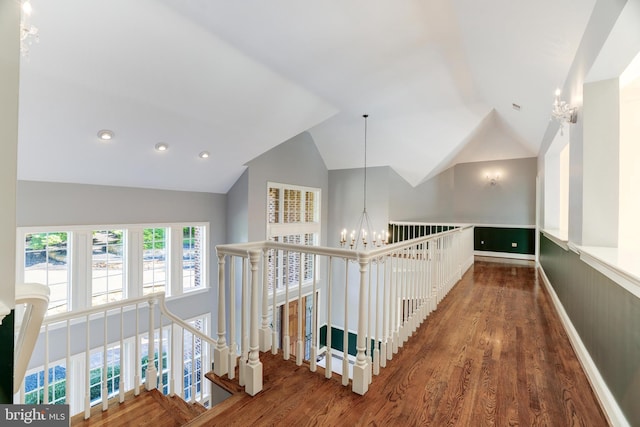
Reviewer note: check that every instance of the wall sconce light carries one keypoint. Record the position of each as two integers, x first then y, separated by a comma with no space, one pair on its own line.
493,179
563,112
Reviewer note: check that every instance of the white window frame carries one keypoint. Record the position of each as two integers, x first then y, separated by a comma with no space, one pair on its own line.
281,229
79,248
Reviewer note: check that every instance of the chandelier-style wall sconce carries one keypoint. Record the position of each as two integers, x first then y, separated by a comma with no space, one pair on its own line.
493,179
563,112
28,33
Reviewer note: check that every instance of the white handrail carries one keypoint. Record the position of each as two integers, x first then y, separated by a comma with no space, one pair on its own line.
36,297
113,333
417,274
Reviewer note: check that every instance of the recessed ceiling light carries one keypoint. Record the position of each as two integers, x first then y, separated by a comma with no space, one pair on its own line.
105,135
204,155
162,146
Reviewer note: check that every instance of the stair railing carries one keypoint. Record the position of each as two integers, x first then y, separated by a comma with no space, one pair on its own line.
111,327
393,289
35,297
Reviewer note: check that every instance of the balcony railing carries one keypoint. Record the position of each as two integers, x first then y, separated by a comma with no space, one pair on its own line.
393,288
126,334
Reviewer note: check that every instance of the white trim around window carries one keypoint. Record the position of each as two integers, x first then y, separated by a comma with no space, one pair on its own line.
80,245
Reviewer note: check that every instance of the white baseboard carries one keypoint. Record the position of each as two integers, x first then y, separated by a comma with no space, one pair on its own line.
504,255
607,402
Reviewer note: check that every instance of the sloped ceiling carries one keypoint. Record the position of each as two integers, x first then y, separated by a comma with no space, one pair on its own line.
437,78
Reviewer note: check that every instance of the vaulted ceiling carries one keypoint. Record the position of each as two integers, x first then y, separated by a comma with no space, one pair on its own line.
236,78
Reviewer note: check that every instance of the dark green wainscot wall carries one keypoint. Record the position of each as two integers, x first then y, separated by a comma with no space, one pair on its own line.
607,318
337,340
6,359
501,239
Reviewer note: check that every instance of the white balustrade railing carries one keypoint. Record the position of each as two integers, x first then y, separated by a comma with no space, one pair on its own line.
392,287
119,331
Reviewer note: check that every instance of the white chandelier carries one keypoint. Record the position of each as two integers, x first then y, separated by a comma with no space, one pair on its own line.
563,112
28,33
364,235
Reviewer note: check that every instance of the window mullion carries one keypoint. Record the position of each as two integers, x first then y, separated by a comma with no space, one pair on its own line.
175,261
134,261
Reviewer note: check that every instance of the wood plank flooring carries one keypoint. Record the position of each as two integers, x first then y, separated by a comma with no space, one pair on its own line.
494,353
150,408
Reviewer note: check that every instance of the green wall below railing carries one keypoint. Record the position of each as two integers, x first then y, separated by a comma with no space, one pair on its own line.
337,340
606,317
501,239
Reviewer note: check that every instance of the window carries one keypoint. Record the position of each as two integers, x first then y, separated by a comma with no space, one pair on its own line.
193,255
107,266
96,374
293,216
629,174
92,265
154,260
556,185
34,386
193,361
46,261
165,358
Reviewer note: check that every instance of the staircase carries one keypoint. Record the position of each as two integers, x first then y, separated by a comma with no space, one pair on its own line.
150,408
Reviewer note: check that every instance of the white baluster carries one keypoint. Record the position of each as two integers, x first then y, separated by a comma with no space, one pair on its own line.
329,353
152,373
314,319
345,334
221,352
360,383
124,368
265,330
233,350
105,367
136,379
376,327
87,370
244,333
274,332
301,312
46,364
284,321
193,369
254,366
67,370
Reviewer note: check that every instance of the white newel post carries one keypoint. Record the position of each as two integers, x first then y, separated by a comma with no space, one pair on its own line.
221,352
265,330
151,374
253,377
360,383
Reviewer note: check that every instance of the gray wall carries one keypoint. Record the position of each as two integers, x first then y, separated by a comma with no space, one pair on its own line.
57,204
296,161
238,210
463,194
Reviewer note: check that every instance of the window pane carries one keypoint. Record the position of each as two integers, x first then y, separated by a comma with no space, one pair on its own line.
310,207
292,205
273,205
193,245
34,386
154,260
46,261
107,266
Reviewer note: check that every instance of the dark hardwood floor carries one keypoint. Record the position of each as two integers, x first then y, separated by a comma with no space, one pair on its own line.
494,353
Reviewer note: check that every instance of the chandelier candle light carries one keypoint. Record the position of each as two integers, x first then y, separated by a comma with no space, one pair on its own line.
364,234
